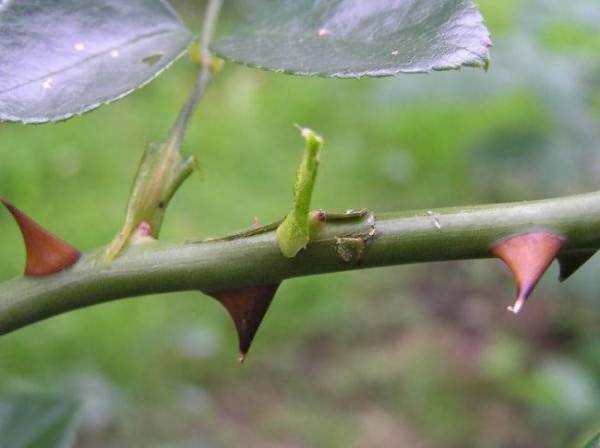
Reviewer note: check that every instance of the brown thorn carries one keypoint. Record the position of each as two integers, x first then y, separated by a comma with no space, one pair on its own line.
569,263
247,306
528,257
46,254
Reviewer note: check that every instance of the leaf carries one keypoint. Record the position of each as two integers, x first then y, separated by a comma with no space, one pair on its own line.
29,421
356,38
594,443
65,57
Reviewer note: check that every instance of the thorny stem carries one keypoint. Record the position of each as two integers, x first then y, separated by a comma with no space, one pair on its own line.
376,240
254,258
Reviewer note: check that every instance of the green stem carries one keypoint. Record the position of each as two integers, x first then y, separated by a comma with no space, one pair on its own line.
163,168
399,238
211,17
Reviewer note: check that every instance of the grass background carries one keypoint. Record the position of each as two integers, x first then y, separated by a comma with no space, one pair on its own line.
412,356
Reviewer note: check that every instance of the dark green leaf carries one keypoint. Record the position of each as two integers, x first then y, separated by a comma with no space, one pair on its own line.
29,421
356,38
594,443
64,57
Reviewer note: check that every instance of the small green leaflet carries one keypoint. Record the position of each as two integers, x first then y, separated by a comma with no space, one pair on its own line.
294,232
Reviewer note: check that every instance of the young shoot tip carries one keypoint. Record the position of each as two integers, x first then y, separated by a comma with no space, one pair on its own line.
309,135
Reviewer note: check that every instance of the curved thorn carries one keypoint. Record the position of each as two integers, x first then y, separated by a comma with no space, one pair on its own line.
571,262
528,257
247,306
46,253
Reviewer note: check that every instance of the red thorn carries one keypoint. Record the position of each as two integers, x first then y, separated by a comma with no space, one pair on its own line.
247,306
46,254
569,263
528,256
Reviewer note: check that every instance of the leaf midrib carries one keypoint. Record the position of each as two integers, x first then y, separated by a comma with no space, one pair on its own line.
91,57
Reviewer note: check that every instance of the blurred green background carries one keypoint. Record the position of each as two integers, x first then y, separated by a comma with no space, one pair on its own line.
410,356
